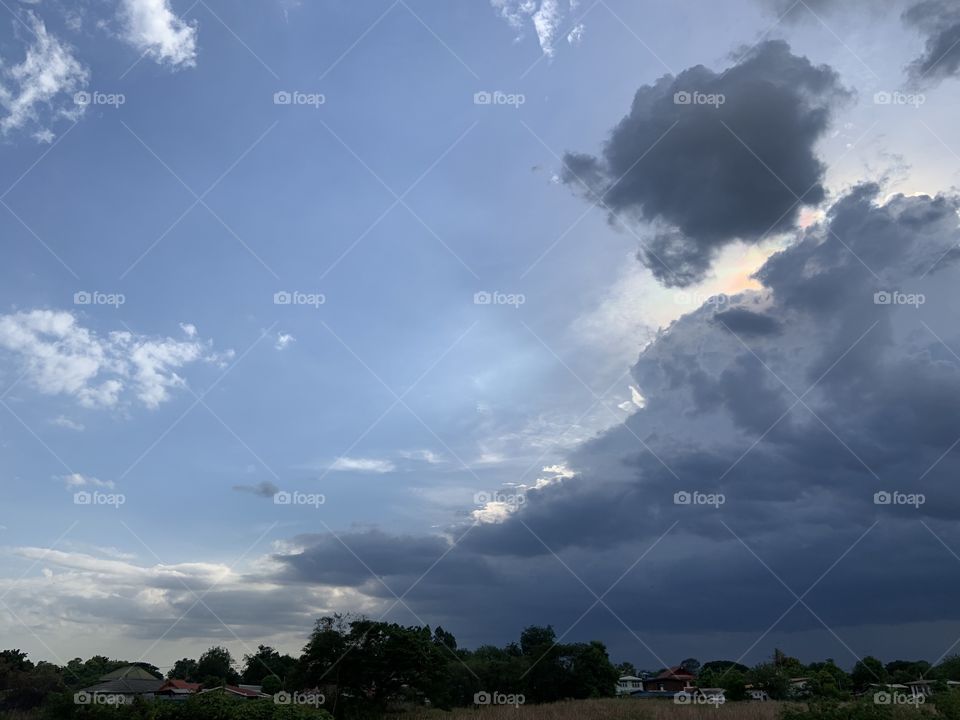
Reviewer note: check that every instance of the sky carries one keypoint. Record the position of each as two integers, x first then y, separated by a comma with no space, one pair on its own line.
633,318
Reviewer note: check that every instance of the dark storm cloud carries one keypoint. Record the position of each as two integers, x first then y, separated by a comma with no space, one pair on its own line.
939,22
710,158
264,489
797,403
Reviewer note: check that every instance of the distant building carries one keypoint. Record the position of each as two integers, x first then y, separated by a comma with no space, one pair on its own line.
240,692
129,681
672,680
174,689
629,684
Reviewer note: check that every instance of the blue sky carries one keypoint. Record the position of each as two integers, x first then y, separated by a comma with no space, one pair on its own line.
181,184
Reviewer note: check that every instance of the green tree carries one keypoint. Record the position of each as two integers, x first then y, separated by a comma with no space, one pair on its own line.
588,670
215,667
264,662
866,671
184,669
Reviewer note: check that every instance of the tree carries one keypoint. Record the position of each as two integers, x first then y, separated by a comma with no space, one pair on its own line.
866,671
589,672
627,668
266,661
215,667
184,669
691,665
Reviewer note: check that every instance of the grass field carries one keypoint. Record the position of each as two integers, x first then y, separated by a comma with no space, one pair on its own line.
609,709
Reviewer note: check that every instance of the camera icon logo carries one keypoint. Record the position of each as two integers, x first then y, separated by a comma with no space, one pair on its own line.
682,98
882,698
481,698
81,698
682,698
282,698
82,98
282,98
282,298
482,98
681,498
882,498
82,298
82,497
882,298
882,98
282,498
482,298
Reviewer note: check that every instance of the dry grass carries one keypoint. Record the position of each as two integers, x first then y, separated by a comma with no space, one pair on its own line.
609,709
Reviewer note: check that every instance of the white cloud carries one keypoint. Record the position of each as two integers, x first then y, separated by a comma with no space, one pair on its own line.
152,28
75,480
427,456
189,329
46,79
546,16
60,357
65,422
283,340
363,465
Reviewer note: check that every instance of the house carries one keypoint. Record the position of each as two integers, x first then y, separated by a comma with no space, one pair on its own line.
673,680
239,692
920,688
798,686
129,682
757,694
629,684
174,689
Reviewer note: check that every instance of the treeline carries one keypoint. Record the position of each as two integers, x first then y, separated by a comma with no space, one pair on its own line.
361,667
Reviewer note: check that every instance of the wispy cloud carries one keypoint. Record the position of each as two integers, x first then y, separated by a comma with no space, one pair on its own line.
348,464
39,89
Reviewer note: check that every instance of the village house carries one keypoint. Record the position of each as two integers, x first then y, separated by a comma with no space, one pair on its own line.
239,692
672,680
629,684
174,689
129,682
